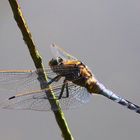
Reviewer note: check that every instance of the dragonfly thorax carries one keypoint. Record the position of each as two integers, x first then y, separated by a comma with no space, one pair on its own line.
74,71
67,69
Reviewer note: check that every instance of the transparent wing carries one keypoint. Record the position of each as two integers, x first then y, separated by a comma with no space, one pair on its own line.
13,79
59,52
37,100
19,80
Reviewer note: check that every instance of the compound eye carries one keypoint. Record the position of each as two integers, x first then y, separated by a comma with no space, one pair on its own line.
60,60
53,62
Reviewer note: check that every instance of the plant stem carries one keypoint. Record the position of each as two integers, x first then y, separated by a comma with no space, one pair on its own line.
27,37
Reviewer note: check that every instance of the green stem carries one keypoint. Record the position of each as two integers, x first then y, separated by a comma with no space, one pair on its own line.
59,115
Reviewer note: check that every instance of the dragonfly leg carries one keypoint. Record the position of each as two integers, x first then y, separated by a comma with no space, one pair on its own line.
62,90
54,79
67,90
65,85
49,78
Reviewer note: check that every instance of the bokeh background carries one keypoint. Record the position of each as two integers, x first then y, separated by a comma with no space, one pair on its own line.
105,35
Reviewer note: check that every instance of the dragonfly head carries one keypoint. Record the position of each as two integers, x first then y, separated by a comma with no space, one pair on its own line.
55,62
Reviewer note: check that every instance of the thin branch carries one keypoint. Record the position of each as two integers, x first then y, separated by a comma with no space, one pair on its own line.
59,115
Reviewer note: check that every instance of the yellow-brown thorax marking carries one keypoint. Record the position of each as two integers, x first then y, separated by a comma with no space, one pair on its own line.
85,79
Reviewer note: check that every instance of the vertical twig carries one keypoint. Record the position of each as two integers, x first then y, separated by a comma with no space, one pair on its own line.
59,115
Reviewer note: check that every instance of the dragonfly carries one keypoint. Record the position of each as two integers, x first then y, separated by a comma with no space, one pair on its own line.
71,81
